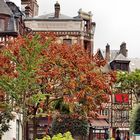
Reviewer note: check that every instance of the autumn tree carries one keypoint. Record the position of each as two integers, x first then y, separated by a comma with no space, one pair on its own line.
36,72
21,59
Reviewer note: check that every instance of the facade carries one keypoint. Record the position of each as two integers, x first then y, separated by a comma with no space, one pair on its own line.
120,102
69,30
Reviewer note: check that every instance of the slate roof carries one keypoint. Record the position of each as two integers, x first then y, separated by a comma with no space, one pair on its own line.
51,17
121,57
115,55
4,9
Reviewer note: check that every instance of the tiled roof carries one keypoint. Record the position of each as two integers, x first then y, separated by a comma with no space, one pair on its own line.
113,54
4,9
99,123
121,57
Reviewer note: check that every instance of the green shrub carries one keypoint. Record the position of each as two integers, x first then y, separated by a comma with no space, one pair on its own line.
65,136
135,120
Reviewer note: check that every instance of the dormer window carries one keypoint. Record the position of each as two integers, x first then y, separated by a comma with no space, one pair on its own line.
2,23
118,65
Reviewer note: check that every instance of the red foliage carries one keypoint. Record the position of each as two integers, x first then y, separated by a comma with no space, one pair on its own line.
67,70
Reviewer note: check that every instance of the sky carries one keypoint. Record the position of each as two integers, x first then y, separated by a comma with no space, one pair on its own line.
117,21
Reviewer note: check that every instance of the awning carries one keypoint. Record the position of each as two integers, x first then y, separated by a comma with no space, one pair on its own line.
98,123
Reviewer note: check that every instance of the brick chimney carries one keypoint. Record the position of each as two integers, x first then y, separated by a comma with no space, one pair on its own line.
107,52
57,10
123,49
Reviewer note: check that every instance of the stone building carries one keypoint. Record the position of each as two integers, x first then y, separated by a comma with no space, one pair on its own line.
69,30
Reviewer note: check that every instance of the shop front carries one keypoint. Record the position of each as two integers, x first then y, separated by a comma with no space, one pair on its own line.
99,129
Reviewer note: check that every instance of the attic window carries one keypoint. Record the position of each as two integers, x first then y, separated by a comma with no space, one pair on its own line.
1,24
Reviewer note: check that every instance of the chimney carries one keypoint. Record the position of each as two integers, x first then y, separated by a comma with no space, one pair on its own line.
123,49
107,53
57,10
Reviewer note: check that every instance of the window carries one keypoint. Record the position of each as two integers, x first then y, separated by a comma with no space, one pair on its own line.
105,112
118,66
124,67
121,66
67,41
1,24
